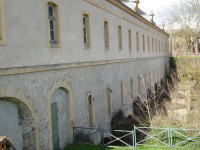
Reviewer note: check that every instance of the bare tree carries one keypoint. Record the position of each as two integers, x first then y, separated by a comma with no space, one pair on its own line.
183,18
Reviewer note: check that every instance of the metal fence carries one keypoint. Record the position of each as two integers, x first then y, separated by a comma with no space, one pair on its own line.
140,136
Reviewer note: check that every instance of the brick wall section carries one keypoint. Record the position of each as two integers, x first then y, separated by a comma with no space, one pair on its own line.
92,79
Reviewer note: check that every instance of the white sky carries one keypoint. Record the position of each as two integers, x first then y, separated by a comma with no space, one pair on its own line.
154,5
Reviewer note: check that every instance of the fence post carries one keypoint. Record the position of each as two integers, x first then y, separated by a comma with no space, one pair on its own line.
135,138
73,135
169,137
101,137
193,54
133,133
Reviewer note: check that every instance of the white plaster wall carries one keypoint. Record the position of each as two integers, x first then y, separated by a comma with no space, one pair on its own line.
9,123
27,37
60,96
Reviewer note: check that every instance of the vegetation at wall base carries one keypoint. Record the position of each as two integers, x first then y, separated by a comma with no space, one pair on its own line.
94,147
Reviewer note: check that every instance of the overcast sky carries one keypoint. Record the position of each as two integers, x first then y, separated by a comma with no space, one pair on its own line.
154,5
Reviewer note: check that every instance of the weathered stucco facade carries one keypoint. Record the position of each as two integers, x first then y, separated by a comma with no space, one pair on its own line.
35,73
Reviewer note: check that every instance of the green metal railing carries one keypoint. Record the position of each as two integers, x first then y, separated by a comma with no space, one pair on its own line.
185,139
86,137
152,136
169,137
127,133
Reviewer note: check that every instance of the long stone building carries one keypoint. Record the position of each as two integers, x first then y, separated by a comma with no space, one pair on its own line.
66,63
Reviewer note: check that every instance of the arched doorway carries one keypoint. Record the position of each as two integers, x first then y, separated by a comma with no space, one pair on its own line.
11,123
17,123
63,86
59,118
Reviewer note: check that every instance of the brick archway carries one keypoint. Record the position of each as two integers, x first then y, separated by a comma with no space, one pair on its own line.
68,89
25,104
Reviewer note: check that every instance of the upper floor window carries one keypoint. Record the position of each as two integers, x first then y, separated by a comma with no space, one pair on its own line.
148,44
143,43
106,35
86,29
156,46
159,45
120,36
137,41
53,22
2,24
129,37
152,45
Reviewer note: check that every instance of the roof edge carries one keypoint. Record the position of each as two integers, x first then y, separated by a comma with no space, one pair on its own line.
123,7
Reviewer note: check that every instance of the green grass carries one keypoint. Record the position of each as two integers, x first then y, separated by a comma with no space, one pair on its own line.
185,56
90,147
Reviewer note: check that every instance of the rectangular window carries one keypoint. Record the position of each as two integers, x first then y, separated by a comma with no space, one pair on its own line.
137,41
143,43
156,46
106,35
159,45
51,24
148,44
152,45
91,111
2,24
120,37
129,37
85,30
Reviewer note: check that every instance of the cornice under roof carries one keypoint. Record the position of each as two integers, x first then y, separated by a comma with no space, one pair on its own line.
125,8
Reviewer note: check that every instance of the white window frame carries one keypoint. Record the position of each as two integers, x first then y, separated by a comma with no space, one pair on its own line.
85,29
51,18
